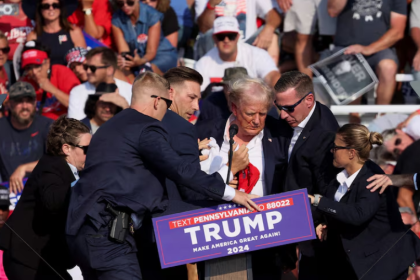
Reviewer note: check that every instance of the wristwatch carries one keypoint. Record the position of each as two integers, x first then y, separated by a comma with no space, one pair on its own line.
316,200
87,11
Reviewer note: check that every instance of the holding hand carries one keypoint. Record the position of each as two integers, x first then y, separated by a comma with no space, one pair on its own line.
321,232
204,144
244,199
115,98
380,181
131,62
15,180
354,49
285,5
240,158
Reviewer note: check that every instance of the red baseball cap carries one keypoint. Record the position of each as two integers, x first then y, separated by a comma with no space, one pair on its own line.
33,56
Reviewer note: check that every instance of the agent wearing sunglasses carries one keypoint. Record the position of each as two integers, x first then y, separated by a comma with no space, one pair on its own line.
147,43
52,83
41,213
361,227
311,130
229,52
53,29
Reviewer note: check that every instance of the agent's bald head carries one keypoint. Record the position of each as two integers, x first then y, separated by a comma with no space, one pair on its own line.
145,85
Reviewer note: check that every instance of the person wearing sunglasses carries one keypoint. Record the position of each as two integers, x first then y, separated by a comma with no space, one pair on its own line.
52,83
147,43
52,27
100,66
229,52
363,230
310,127
129,159
40,216
4,51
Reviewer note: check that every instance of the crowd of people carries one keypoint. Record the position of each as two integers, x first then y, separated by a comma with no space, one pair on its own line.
114,70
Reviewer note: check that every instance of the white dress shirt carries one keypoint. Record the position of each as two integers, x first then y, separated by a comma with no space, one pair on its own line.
256,157
80,93
298,130
74,171
345,183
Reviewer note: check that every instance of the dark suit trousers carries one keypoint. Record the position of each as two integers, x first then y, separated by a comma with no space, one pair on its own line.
100,258
17,271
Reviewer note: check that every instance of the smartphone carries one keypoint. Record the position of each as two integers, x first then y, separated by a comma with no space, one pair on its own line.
9,9
125,54
2,98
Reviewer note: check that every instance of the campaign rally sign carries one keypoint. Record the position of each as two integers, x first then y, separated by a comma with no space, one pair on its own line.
345,76
230,229
14,198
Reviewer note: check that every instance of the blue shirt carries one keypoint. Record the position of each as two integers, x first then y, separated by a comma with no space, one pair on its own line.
183,13
137,35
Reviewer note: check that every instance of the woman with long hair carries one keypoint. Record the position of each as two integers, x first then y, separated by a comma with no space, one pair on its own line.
53,30
365,235
40,216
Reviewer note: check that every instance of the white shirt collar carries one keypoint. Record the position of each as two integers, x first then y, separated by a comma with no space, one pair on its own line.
74,170
308,117
343,178
226,135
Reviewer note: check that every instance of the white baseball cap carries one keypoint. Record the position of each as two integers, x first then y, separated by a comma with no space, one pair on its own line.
225,24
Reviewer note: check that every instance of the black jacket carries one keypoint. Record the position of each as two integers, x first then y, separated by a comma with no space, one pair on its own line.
40,216
368,225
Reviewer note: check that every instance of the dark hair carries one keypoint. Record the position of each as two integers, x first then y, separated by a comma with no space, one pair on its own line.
163,5
64,23
64,131
108,56
301,82
38,46
358,137
90,107
181,74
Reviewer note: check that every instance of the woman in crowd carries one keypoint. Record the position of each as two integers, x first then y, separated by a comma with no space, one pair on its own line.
40,216
169,22
136,30
4,51
366,236
53,30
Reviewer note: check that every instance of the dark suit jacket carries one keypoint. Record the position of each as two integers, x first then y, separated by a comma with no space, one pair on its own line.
368,225
273,141
127,164
183,140
40,216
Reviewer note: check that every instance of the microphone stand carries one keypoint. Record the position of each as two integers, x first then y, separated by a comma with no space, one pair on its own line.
231,141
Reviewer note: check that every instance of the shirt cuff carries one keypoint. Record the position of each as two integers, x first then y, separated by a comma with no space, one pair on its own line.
223,172
415,182
229,193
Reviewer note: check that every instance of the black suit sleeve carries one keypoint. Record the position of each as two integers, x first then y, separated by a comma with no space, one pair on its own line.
186,146
355,214
53,191
155,149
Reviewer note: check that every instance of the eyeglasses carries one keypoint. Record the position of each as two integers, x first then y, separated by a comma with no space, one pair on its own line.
5,50
47,6
168,101
84,148
334,148
291,108
222,36
93,67
129,3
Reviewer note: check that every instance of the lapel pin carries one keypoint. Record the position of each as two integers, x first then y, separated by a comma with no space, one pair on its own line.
269,139
304,137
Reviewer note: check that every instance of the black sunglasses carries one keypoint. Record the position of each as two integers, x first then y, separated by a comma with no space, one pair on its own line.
129,3
5,50
291,108
84,148
397,142
93,67
168,101
222,36
46,6
334,148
